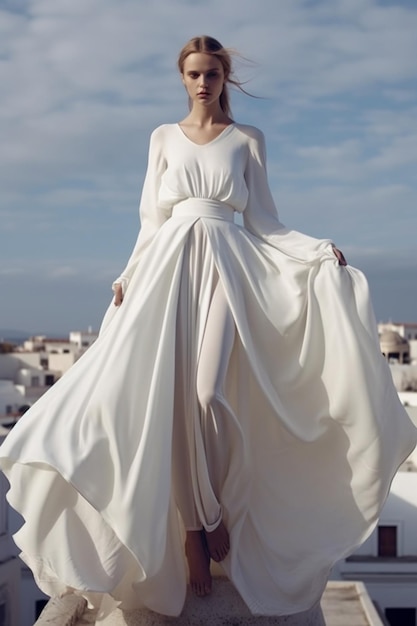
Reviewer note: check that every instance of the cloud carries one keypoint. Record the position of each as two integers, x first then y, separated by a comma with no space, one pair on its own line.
85,81
351,215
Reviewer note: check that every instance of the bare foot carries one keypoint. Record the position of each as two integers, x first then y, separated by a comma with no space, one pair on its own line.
198,563
218,543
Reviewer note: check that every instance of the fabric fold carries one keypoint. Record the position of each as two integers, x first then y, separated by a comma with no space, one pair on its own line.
297,450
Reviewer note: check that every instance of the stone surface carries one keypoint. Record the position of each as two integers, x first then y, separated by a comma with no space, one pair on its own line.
224,607
65,611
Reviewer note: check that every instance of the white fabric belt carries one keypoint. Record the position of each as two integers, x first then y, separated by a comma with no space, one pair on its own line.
204,207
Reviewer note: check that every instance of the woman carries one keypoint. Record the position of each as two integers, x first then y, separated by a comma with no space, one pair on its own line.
236,392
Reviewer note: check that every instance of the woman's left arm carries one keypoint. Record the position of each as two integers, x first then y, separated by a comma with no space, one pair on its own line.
260,216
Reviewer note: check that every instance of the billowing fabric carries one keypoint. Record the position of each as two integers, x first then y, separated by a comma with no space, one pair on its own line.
293,437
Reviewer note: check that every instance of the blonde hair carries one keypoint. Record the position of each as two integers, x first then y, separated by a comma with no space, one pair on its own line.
209,45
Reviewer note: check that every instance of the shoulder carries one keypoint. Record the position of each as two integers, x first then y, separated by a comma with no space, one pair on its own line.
254,139
160,132
161,137
251,133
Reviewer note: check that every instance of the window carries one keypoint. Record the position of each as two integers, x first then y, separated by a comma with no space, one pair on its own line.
401,617
49,380
40,605
3,508
387,541
35,381
9,409
5,617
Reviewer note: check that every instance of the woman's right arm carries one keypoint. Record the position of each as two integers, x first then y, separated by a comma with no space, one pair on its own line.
151,215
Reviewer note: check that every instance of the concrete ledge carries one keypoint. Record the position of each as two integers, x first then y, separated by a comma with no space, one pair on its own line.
343,603
348,602
65,611
369,608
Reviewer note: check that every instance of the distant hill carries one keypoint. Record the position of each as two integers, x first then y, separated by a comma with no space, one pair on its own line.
13,336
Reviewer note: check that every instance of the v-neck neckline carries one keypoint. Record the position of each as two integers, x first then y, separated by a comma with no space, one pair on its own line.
208,143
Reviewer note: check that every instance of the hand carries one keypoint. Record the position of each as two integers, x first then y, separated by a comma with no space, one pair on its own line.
118,294
340,256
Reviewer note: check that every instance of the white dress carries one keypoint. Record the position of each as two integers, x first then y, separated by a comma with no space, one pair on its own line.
292,436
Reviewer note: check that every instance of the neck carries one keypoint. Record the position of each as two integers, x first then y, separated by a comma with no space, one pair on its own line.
207,116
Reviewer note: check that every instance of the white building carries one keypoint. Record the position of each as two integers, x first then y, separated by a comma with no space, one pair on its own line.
28,372
20,599
83,339
24,372
395,348
57,355
407,331
11,400
387,561
405,378
43,344
24,376
31,599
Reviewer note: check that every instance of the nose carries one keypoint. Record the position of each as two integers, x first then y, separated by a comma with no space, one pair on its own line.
203,80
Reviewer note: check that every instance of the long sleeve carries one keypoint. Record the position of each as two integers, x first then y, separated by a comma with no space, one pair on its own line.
152,216
260,216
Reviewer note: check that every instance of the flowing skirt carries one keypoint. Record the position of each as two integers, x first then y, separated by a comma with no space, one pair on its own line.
235,382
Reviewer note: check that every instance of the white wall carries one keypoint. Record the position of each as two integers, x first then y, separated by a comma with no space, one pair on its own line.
22,590
12,364
400,509
9,564
393,595
31,377
59,347
391,582
403,375
9,366
413,349
61,362
408,398
31,359
83,339
10,397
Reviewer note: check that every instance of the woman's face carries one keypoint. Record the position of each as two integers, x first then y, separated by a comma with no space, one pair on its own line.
203,77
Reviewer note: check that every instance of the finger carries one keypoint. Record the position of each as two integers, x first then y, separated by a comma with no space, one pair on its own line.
340,256
342,259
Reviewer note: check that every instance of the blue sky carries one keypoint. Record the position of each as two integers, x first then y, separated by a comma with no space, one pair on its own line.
85,81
